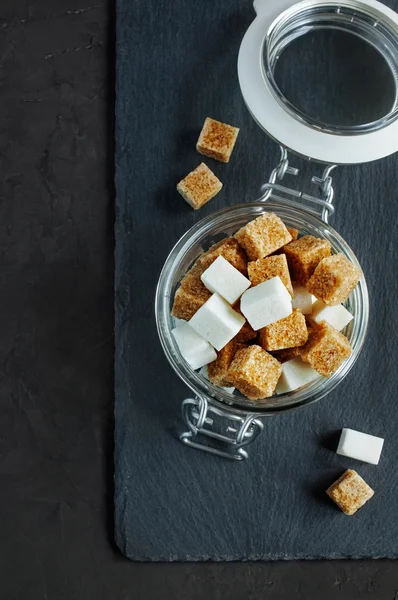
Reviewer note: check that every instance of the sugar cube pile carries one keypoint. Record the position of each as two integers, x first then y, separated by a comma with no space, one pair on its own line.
264,310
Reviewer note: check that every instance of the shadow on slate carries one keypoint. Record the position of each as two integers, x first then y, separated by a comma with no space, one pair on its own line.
176,64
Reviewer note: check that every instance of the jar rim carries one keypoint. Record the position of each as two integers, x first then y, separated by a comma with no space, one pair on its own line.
172,273
284,123
344,16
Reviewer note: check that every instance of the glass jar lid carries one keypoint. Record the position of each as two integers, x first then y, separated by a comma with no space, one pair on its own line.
275,28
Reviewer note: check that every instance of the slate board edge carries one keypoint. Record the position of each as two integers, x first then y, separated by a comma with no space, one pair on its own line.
255,557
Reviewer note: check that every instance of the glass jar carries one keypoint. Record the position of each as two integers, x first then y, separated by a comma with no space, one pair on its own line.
199,238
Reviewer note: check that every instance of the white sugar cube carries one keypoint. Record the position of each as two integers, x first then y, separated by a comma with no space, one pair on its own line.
223,278
361,446
337,316
196,351
217,322
204,371
302,299
266,303
295,374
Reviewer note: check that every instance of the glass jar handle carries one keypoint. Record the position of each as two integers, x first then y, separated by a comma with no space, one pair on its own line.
289,195
220,431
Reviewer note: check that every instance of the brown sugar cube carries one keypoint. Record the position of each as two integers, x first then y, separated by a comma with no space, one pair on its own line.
228,249
185,304
326,349
271,266
304,255
310,328
286,333
289,353
263,236
247,332
217,140
350,492
193,284
254,372
218,369
286,354
293,232
334,279
199,186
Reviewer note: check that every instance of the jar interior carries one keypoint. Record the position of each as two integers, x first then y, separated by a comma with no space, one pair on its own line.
224,224
353,87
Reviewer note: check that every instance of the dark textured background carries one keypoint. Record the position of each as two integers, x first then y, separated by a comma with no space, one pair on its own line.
56,345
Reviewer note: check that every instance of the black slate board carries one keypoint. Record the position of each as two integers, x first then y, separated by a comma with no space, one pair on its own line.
176,64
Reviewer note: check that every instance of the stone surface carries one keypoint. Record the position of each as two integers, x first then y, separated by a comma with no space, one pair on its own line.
222,510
